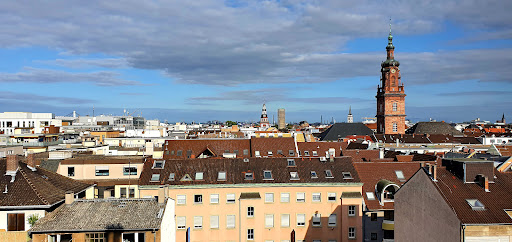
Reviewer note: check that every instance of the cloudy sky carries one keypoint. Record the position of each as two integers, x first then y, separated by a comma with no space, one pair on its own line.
220,60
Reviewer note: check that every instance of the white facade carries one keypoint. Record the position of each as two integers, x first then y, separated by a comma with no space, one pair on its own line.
28,213
496,140
37,121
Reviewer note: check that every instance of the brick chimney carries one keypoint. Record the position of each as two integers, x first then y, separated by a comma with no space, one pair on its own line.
12,164
483,181
434,172
70,197
161,194
31,161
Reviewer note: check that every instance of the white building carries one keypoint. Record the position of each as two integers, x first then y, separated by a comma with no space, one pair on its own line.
9,121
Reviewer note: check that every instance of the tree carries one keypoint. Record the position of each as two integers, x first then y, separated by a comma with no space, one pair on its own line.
230,123
32,219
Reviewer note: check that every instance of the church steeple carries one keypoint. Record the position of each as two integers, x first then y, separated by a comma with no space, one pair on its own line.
264,124
350,118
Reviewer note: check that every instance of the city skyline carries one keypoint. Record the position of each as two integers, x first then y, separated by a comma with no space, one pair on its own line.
166,61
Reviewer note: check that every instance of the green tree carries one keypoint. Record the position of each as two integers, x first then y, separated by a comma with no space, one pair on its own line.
230,123
32,219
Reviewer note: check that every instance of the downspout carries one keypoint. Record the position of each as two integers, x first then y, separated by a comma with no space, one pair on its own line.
463,233
239,220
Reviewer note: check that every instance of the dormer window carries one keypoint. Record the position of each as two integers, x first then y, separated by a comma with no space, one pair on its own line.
475,204
315,153
306,153
347,175
257,153
249,176
291,162
294,175
171,177
328,174
313,174
400,175
158,164
279,152
267,175
291,153
155,177
221,176
199,175
270,153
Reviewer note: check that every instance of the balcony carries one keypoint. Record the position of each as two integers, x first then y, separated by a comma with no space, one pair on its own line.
388,225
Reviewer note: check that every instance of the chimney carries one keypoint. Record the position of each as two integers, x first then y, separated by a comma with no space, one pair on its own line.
161,194
434,172
483,181
31,161
70,197
106,194
486,184
12,164
381,153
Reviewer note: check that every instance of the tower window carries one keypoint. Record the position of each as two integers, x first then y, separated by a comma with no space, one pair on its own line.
395,127
395,107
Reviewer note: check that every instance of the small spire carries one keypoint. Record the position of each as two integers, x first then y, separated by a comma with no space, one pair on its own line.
390,38
350,110
389,26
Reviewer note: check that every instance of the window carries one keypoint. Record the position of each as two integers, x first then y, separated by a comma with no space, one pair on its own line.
198,222
123,192
171,177
250,234
294,175
370,195
351,210
285,220
306,153
249,176
269,220
317,220
313,174
301,219
189,153
291,153
236,152
280,152
214,198
230,221
331,197
15,222
400,175
291,162
181,199
221,176
351,232
317,197
373,236
270,153
257,153
373,216
71,171
246,152
332,220
214,222
475,204
328,174
199,175
172,152
250,211
102,171
179,153
158,164
95,237
269,197
301,197
131,192
267,175
198,199
285,197
395,107
395,127
230,198
181,222
129,170
155,177
347,175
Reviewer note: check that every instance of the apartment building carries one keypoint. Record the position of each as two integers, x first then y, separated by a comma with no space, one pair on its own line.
260,199
9,121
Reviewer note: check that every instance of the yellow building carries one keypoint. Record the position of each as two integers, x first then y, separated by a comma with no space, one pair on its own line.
260,199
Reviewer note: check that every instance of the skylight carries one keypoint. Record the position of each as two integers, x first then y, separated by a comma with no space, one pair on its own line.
249,176
347,175
328,174
267,175
294,175
199,175
475,204
155,177
400,175
171,177
370,196
221,176
313,174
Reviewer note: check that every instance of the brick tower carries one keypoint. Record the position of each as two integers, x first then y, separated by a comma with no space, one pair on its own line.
390,95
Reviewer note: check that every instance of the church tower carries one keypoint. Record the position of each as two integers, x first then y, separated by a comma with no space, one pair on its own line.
264,124
350,118
390,95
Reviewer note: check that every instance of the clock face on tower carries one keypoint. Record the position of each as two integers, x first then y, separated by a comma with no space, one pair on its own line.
393,71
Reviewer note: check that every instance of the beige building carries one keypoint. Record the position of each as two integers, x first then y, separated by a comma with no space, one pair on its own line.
260,199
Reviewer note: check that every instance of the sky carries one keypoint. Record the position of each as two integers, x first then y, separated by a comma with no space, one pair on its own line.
221,60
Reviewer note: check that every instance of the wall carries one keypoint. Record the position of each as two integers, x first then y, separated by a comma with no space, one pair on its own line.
476,233
168,226
421,213
88,171
28,213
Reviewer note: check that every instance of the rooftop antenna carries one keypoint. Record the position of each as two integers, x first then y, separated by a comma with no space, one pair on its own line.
93,110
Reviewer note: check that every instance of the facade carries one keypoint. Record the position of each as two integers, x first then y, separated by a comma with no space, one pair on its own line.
9,121
463,200
390,95
281,122
264,124
261,199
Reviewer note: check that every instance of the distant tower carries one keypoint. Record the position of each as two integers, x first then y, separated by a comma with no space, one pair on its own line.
350,118
503,119
281,123
264,124
390,95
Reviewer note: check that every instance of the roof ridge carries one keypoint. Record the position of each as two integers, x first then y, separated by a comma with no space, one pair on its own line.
33,187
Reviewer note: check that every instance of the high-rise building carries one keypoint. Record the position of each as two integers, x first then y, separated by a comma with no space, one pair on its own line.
281,123
264,124
350,118
390,95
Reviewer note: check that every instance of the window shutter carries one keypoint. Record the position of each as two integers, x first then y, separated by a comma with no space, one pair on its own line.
230,221
11,222
285,220
198,222
332,220
214,221
269,221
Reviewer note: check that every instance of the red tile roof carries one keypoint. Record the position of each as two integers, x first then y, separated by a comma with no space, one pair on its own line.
362,155
320,147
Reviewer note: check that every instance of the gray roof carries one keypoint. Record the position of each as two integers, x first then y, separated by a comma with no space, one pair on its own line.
433,128
103,215
342,130
51,165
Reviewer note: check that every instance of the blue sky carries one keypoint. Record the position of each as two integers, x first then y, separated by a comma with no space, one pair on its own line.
220,60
